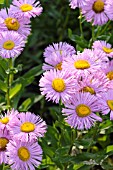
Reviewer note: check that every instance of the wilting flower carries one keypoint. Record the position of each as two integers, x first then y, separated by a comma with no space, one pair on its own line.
57,85
26,8
24,156
28,127
80,113
11,45
94,10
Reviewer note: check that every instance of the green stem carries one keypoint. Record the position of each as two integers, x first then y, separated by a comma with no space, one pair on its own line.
9,82
73,137
80,24
94,137
105,28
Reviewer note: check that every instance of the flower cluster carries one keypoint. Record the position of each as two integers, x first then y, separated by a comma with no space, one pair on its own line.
15,26
83,82
96,11
18,139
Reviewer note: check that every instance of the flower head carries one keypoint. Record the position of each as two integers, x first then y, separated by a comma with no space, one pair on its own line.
106,102
94,11
76,3
4,140
62,48
27,8
11,44
11,22
24,156
104,47
80,113
56,85
54,62
9,118
28,127
82,64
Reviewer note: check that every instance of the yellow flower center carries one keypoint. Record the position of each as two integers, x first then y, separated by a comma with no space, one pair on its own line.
58,85
23,153
110,104
26,7
4,120
89,89
9,45
3,143
12,24
110,75
83,110
27,127
59,66
81,64
98,6
107,50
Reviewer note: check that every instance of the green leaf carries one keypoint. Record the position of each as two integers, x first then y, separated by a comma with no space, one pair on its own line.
35,71
3,86
15,90
109,148
29,102
1,1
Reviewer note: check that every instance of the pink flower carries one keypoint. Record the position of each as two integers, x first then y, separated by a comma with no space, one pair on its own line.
106,102
57,85
104,47
82,64
26,8
11,45
64,49
94,11
9,118
80,113
10,22
28,127
4,140
24,156
76,3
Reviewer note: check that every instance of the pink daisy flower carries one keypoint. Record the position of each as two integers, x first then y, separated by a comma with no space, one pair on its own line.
108,71
80,113
101,77
76,3
53,62
93,85
57,85
4,140
62,48
103,46
9,117
28,127
109,9
27,8
11,45
106,102
24,156
11,22
100,56
82,64
95,11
